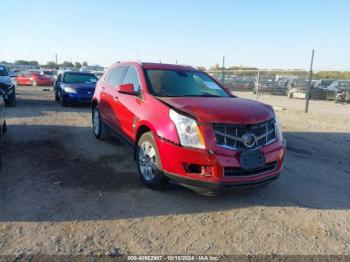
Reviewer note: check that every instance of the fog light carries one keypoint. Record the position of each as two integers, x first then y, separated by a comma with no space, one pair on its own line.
199,169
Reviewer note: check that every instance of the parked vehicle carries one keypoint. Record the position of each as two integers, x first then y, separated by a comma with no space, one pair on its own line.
98,74
34,78
74,87
242,84
343,91
297,88
52,73
7,86
265,84
186,127
321,90
2,119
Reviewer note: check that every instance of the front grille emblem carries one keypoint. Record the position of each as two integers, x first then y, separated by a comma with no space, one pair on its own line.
249,139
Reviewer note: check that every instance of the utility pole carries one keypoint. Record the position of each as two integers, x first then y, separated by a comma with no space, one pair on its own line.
223,70
257,86
309,87
56,59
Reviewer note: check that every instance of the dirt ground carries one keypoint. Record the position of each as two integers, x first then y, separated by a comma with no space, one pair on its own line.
64,192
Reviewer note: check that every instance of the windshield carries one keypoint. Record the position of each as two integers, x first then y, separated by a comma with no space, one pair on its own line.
300,83
3,71
180,83
79,78
344,83
326,82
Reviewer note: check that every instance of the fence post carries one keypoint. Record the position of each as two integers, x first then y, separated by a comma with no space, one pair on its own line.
257,86
309,87
223,70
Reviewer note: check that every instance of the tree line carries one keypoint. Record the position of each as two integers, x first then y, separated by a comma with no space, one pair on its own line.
49,64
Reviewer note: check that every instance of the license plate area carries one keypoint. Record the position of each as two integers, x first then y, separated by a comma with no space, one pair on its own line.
252,159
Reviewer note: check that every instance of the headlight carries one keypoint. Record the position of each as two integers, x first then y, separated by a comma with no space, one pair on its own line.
69,89
188,130
278,129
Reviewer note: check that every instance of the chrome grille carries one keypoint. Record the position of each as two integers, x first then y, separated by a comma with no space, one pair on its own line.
231,136
85,91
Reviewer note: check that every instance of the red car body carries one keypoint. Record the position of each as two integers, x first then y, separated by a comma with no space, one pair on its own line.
34,79
214,166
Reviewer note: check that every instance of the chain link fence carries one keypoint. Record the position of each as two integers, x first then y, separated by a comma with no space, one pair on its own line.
283,88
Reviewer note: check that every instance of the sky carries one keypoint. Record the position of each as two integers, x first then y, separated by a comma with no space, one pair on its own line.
264,34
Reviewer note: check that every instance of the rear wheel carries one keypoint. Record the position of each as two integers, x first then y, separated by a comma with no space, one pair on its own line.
100,129
148,162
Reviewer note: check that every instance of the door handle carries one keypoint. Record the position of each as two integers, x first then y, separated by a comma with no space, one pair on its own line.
115,98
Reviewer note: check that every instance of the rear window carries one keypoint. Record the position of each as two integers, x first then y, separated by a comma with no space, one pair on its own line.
3,71
79,78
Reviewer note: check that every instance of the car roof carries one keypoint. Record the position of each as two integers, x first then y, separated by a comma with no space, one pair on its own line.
159,66
167,66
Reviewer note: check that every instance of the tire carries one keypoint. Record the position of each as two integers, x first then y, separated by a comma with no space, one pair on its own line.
290,95
100,129
57,97
34,83
4,127
63,100
148,162
12,101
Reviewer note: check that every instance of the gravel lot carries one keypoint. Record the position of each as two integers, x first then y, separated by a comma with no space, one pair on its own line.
64,192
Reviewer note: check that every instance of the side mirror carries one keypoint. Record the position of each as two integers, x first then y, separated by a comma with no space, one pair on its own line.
127,89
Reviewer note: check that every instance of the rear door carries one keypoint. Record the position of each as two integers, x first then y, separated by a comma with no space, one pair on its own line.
108,97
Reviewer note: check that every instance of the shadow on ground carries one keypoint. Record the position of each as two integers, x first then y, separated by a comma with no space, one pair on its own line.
45,180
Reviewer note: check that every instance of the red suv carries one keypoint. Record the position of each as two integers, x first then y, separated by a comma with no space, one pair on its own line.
34,79
184,126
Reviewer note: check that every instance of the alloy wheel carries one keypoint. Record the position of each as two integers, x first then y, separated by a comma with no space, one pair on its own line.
147,161
96,121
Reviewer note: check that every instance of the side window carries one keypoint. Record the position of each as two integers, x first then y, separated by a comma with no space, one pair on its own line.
116,75
131,77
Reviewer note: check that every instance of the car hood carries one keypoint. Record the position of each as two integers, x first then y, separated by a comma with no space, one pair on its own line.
5,79
222,110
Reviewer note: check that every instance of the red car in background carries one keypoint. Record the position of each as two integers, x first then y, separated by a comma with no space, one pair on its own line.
184,126
33,79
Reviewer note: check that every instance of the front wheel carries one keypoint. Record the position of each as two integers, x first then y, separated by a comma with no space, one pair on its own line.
57,97
148,162
11,101
100,129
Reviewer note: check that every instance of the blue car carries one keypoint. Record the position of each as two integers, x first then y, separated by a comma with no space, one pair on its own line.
75,87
